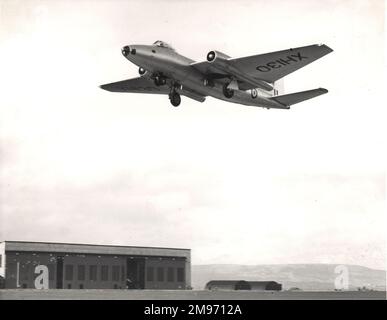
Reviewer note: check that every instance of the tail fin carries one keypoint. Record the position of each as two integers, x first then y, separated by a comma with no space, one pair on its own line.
293,98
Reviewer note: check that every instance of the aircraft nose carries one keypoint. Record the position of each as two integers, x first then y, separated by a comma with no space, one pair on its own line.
126,50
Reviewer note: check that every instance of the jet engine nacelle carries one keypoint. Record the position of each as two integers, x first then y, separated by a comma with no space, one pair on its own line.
220,61
142,71
217,57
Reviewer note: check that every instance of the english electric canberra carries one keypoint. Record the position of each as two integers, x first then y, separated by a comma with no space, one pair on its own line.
251,81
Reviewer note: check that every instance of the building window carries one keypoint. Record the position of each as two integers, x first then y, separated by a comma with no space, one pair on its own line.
69,272
69,286
150,274
12,270
81,286
170,275
122,273
51,272
93,273
25,270
1,260
116,273
81,272
160,274
105,273
180,274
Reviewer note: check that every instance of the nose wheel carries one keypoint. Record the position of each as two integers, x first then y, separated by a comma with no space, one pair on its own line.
175,98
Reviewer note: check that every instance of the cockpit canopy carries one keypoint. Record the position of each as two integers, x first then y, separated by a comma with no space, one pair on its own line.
163,44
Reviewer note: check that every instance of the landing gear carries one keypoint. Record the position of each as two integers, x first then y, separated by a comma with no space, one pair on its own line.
160,81
228,93
175,98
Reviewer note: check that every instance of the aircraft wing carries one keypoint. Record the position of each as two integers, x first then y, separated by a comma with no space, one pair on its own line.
146,85
136,85
268,67
273,66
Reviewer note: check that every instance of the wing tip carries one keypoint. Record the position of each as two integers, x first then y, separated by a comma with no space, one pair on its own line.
104,87
327,48
323,90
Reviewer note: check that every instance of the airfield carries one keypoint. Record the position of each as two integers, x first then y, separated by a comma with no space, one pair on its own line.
111,294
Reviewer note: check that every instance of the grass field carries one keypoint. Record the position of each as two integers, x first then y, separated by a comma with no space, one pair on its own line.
30,294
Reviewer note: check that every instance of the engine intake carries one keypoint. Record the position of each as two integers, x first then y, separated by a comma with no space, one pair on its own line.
216,56
142,71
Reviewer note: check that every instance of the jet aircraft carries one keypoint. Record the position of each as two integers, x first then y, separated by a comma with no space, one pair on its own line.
253,80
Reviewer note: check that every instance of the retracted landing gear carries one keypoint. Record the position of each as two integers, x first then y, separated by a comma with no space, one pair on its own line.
160,81
175,98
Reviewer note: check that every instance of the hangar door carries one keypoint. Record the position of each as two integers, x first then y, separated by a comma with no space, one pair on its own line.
135,273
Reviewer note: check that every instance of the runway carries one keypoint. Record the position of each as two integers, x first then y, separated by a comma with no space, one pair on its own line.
55,294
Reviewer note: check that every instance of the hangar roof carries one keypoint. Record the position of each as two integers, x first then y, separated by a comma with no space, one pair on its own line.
26,246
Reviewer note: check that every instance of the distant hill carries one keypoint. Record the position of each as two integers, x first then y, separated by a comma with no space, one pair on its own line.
302,276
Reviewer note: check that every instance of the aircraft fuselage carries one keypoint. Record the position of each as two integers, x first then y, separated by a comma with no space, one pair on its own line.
171,65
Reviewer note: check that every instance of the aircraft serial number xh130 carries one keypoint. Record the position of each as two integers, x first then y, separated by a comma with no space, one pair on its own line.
253,81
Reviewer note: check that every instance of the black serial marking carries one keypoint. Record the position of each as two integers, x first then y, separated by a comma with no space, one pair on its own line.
290,59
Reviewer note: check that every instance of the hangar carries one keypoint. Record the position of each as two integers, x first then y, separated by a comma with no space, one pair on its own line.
45,265
243,285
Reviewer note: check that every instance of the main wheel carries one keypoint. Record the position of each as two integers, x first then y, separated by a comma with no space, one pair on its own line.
228,93
175,99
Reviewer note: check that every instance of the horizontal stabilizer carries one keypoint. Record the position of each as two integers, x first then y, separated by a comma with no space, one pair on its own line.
293,98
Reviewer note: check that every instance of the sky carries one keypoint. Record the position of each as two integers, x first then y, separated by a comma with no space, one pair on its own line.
235,184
